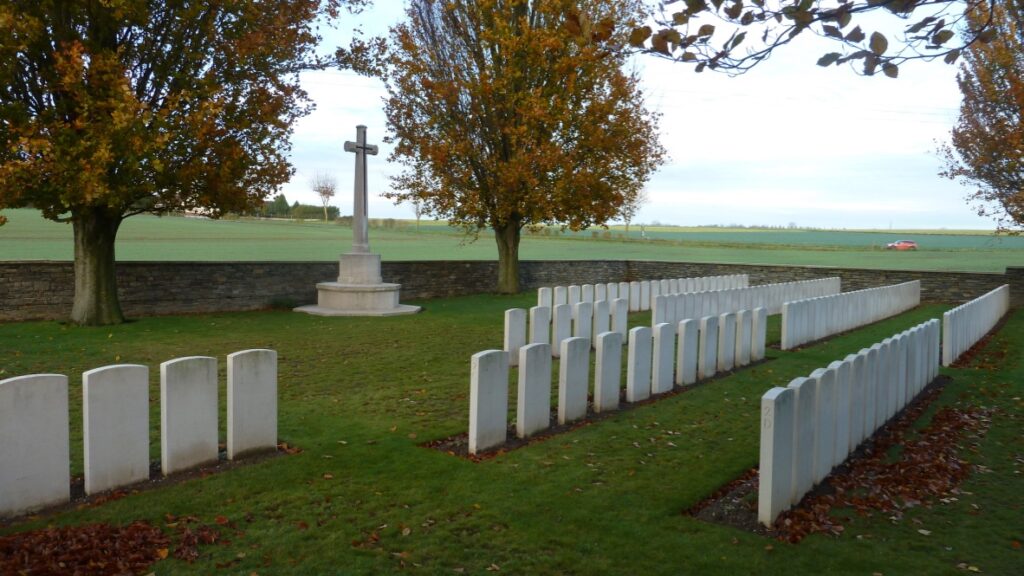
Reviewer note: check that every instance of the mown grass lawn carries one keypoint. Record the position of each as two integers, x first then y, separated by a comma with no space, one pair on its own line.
148,238
360,396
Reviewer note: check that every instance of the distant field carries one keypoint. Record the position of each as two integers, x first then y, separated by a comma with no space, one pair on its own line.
27,236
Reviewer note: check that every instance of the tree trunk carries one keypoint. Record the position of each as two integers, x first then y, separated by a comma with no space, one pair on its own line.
507,237
96,302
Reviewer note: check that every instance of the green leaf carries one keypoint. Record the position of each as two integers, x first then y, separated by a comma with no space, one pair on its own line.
878,43
738,40
855,35
688,57
891,70
706,30
829,59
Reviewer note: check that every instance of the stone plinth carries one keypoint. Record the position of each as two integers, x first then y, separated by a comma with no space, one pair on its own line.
359,291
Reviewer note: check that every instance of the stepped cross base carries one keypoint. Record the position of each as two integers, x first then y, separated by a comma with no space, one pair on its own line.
359,291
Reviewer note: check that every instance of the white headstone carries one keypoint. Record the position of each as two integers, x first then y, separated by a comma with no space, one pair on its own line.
707,347
607,372
624,292
188,413
561,295
659,313
587,293
825,433
115,426
601,292
726,341
664,358
515,333
562,326
252,401
638,371
870,377
34,453
612,293
645,295
583,315
620,316
540,325
634,296
533,407
775,476
686,356
488,400
574,295
602,318
545,297
744,326
803,437
843,398
573,379
759,333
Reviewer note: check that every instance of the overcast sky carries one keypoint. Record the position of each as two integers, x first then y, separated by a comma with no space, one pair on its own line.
789,142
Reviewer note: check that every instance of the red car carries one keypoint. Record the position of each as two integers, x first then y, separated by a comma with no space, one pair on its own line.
901,245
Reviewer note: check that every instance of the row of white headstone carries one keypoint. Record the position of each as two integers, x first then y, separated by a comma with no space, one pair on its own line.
964,325
638,294
688,306
34,421
552,326
814,423
812,319
658,359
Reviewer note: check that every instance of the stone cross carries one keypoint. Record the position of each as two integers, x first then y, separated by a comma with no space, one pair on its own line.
360,222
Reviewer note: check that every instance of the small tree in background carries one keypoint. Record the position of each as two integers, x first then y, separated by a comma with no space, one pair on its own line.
988,141
632,206
324,185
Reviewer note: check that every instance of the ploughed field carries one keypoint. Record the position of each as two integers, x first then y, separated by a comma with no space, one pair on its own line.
27,236
361,493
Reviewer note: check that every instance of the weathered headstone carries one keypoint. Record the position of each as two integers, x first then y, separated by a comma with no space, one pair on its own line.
607,372
562,327
533,407
515,333
488,400
188,413
638,371
573,379
707,347
775,482
34,445
664,358
726,341
803,436
252,401
540,325
115,426
686,357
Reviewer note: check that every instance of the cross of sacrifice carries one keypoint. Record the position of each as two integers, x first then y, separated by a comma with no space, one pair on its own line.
360,221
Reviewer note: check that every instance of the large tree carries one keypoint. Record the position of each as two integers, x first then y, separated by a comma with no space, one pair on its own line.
988,141
111,108
735,35
515,113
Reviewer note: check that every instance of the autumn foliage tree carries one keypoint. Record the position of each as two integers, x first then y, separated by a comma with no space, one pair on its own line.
512,113
111,108
987,144
735,35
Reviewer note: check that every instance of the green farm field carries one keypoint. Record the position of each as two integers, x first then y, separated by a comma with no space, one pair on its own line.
361,396
27,236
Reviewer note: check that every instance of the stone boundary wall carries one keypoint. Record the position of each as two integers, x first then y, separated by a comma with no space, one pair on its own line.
38,290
